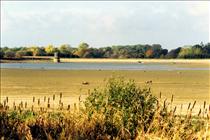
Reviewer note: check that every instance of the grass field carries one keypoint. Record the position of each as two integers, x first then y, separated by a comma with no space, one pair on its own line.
22,85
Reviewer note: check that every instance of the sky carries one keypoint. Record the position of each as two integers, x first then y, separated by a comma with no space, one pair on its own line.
171,24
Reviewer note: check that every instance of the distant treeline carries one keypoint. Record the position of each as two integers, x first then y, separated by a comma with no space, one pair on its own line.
117,51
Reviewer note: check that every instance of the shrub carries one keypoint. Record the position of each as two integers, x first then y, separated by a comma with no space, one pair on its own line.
123,104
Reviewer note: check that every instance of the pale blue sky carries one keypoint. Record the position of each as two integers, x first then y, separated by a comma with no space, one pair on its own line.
172,24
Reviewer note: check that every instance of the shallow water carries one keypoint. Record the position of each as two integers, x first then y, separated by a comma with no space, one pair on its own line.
97,66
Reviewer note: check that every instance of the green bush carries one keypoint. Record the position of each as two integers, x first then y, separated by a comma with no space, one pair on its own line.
123,104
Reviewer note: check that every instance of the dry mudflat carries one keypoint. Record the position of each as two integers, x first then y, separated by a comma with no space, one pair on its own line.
23,84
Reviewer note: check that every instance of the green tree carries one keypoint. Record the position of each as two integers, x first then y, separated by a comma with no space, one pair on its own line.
173,53
1,53
206,50
164,52
82,48
38,51
107,52
191,52
50,50
9,54
20,54
65,50
156,48
184,53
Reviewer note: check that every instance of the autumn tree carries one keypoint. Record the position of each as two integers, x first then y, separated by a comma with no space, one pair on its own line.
20,54
149,53
38,51
82,48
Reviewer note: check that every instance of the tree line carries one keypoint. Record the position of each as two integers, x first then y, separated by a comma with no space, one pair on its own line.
116,51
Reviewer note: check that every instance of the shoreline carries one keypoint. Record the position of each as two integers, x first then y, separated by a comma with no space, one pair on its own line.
105,60
201,61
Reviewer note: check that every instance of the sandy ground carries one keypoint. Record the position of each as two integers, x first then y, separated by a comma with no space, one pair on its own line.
21,85
197,61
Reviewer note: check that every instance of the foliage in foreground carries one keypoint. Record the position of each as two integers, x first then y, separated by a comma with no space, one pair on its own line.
123,104
121,111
